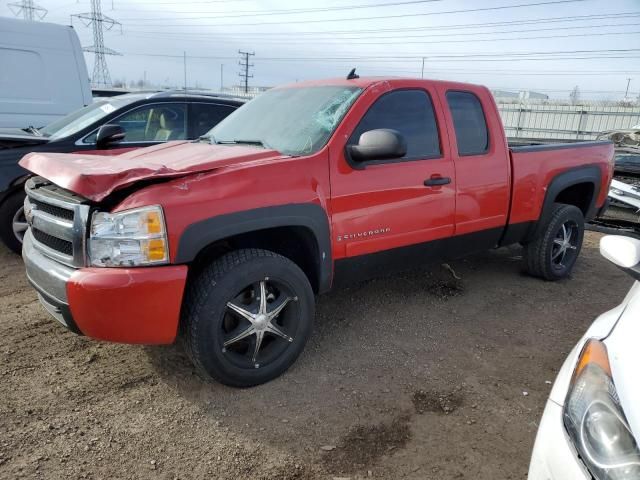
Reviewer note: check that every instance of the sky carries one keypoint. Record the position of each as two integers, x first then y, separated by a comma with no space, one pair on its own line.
540,45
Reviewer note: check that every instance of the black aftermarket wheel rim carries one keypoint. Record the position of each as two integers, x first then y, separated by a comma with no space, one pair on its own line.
259,324
565,245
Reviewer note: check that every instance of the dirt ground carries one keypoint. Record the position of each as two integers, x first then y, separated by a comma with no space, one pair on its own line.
419,376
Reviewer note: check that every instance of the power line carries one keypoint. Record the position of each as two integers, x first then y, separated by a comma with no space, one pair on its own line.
383,17
277,41
464,26
422,42
28,9
564,56
295,11
98,22
399,60
430,56
244,63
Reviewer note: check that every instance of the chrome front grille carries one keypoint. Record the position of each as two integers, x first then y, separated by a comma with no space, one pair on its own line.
53,210
55,243
58,221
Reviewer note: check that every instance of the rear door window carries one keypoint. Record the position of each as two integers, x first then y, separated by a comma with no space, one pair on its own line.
205,116
469,123
410,112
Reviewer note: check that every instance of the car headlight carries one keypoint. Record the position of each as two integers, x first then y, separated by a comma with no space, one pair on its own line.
595,421
129,238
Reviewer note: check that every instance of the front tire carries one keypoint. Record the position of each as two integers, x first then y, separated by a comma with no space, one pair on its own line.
553,252
247,317
13,224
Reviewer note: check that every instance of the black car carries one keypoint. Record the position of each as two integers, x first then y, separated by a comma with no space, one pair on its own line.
111,125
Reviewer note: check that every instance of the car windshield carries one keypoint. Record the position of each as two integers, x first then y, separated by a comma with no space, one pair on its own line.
81,119
294,121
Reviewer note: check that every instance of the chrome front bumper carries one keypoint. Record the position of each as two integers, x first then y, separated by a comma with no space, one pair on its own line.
49,278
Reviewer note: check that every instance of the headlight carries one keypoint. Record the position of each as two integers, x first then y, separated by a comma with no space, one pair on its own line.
595,420
129,238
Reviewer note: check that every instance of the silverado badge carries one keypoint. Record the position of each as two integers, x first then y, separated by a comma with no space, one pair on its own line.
365,234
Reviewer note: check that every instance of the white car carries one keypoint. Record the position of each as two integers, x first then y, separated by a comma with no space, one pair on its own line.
591,423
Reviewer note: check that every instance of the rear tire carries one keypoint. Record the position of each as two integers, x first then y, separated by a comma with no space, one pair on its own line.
234,336
553,252
13,225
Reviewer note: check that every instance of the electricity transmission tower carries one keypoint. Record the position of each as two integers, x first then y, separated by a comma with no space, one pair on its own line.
99,24
244,63
28,10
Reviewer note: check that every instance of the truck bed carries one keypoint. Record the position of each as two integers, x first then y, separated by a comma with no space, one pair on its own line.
527,145
534,167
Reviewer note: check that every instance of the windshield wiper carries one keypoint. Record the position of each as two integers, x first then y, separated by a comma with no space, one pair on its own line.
259,143
32,129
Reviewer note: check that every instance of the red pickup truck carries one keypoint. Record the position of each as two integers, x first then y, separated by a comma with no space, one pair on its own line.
224,241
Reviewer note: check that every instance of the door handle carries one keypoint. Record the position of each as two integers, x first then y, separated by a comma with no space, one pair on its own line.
436,181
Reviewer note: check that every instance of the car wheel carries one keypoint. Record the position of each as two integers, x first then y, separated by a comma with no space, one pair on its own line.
554,251
13,224
247,317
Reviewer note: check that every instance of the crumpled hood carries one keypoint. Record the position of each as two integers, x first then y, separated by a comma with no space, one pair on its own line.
96,176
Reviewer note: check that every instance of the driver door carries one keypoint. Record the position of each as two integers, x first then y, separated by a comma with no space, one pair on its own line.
388,213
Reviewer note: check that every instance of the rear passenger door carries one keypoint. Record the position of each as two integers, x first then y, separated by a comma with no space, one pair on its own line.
482,165
204,116
385,204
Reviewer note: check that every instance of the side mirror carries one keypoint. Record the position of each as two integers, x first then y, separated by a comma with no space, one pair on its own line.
622,251
109,134
381,144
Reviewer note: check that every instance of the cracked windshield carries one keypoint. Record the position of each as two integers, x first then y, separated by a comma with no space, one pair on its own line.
301,120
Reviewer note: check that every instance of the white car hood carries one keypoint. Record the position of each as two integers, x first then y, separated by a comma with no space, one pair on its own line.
624,357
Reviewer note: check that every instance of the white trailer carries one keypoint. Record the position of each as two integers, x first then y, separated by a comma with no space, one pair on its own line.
43,74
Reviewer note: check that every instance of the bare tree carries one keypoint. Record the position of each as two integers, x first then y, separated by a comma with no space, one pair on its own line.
574,96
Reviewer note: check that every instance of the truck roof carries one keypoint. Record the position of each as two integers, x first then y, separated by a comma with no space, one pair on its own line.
365,82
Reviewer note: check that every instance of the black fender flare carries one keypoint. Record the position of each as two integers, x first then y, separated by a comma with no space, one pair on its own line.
583,174
197,236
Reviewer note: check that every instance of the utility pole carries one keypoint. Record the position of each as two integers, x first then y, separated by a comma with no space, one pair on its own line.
422,74
99,23
28,10
244,63
185,70
221,77
626,94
